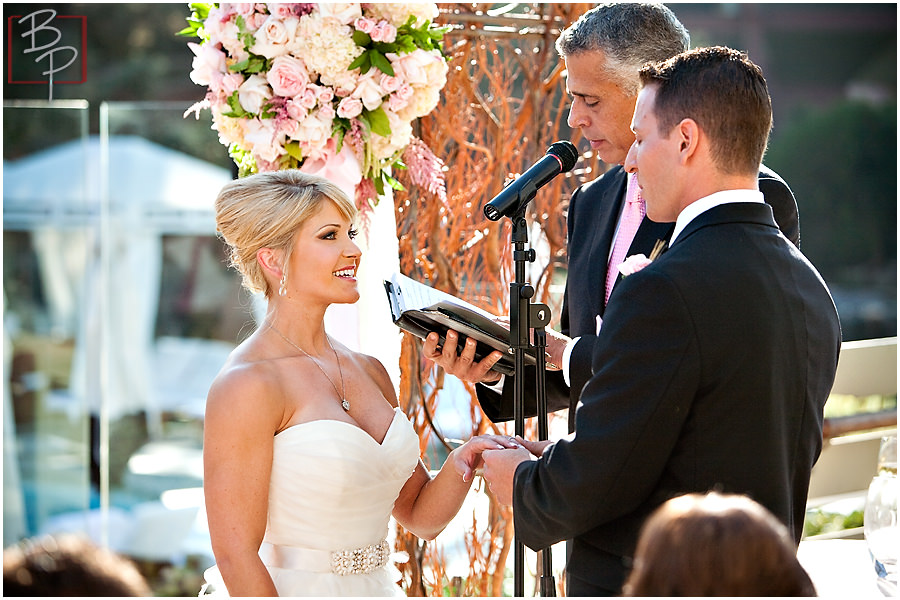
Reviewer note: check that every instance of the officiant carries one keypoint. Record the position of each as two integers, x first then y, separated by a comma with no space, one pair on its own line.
716,359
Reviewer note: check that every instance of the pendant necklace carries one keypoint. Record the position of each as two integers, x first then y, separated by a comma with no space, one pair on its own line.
345,404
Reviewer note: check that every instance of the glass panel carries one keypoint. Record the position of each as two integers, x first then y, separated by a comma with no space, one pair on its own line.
172,310
49,228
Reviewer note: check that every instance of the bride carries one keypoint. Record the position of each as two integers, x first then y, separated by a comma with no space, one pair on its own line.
306,452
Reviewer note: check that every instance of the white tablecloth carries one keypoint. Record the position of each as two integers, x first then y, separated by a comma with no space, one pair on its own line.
839,568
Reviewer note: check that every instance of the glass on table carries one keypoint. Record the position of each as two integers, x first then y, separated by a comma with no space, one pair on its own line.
880,525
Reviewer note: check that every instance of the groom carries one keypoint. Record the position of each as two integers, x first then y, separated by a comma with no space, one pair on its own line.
716,359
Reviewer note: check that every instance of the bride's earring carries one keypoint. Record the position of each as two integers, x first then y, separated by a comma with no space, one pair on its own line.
282,288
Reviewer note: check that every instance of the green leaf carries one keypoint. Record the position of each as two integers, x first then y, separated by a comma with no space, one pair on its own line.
360,38
381,61
256,64
393,182
378,121
293,148
237,111
379,185
239,66
363,62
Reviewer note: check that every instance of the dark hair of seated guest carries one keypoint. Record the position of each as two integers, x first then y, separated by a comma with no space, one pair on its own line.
716,545
68,565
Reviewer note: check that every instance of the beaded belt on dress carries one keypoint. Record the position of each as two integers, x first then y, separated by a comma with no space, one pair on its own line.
341,562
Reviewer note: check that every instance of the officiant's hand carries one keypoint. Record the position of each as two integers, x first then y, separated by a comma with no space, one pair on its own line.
462,365
556,344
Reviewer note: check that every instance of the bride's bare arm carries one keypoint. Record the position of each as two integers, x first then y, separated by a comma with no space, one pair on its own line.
426,504
237,458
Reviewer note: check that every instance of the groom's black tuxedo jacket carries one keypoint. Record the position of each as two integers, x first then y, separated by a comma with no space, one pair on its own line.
592,217
712,372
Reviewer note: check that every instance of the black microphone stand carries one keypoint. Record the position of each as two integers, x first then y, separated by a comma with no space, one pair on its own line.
523,316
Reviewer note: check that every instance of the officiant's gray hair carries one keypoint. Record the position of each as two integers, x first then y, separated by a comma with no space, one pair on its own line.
265,210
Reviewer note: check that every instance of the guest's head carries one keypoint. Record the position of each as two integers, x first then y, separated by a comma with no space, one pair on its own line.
68,565
603,51
701,125
264,212
716,545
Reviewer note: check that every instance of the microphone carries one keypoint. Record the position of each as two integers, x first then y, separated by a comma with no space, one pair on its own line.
560,158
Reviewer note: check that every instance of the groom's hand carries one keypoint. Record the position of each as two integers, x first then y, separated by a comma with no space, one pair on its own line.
499,469
462,365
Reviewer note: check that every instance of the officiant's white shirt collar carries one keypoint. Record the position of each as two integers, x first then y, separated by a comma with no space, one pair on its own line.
697,208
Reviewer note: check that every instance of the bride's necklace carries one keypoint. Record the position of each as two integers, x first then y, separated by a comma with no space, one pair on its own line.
345,404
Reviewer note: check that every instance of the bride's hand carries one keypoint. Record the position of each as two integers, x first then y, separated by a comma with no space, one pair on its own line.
467,458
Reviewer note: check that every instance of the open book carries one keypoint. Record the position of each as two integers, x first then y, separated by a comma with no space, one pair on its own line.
421,309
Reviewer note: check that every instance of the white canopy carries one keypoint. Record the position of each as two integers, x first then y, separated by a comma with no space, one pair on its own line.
146,183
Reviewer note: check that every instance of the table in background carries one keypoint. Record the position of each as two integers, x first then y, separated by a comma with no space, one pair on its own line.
839,568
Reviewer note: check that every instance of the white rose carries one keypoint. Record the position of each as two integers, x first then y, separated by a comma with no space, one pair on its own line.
207,61
343,12
398,12
275,37
368,90
253,93
260,135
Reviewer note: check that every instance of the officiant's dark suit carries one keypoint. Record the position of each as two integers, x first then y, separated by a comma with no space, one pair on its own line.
592,217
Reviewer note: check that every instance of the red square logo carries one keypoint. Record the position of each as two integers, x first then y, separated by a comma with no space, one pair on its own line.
46,48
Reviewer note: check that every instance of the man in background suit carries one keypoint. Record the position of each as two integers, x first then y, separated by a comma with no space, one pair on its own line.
716,359
603,51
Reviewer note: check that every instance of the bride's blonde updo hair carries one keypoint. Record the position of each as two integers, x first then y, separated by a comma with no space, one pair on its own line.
265,210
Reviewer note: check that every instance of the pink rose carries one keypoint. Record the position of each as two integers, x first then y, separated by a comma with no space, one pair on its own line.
405,92
349,107
245,9
280,9
390,84
411,67
384,32
327,113
633,264
324,94
365,24
288,76
231,82
295,110
307,99
396,103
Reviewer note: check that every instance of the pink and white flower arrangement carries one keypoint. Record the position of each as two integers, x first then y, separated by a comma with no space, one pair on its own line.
297,85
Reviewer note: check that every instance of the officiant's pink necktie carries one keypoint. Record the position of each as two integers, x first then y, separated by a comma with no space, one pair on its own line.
632,214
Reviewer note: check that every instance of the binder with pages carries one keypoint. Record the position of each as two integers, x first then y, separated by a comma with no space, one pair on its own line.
421,309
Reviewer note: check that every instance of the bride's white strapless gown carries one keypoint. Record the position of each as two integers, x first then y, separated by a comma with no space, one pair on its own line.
332,489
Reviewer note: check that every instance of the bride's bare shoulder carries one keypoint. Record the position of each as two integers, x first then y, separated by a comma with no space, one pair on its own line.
246,385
